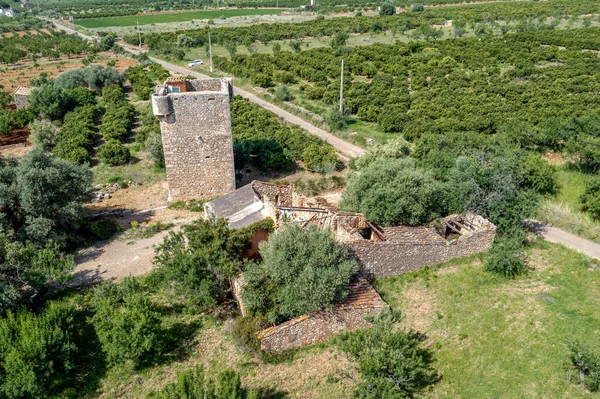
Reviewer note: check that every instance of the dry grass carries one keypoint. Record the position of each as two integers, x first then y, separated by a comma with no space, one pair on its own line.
304,377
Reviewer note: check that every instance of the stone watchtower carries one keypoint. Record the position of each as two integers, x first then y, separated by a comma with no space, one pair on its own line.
195,122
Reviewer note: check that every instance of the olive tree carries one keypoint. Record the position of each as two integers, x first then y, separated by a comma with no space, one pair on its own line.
303,270
41,197
395,191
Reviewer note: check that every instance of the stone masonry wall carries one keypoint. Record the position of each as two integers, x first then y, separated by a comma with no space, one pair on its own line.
197,142
379,259
314,328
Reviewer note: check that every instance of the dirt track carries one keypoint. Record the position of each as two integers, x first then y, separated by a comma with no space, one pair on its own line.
558,236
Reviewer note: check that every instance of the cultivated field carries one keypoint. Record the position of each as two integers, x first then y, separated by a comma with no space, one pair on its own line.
131,20
21,74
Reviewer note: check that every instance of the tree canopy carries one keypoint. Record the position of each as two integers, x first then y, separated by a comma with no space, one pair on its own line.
303,270
41,197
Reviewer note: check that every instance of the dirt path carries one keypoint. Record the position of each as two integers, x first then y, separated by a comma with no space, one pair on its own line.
124,257
115,260
558,236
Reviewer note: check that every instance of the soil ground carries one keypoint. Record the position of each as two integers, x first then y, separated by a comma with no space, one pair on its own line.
21,74
125,256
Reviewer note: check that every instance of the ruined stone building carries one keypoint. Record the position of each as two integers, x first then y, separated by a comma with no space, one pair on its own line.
380,252
195,123
21,96
315,327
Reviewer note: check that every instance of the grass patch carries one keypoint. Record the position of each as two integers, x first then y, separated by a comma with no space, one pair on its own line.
564,217
143,172
146,230
131,20
191,205
564,210
499,338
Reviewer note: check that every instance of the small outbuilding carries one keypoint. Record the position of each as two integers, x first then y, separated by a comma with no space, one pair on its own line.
21,96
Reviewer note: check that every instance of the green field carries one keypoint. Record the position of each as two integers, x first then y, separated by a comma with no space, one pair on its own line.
131,20
499,338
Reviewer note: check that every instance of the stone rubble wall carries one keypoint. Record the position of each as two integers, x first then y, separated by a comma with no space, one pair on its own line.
314,328
378,259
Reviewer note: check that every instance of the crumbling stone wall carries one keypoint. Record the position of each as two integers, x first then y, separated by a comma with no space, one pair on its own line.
379,259
313,328
197,139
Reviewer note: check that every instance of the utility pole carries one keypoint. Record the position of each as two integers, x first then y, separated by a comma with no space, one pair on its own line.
342,90
210,51
139,34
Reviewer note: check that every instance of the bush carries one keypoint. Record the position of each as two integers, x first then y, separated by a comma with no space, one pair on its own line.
387,9
42,135
114,153
262,80
104,229
244,332
587,364
194,384
590,199
390,360
507,256
283,93
37,352
540,175
42,196
335,120
314,93
50,101
417,7
303,270
154,146
319,158
124,321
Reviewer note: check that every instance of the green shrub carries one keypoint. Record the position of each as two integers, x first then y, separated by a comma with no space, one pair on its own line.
314,93
320,158
105,228
194,384
37,352
262,80
395,192
154,146
124,321
335,120
390,360
387,9
283,93
507,256
417,7
244,332
292,255
42,135
587,364
590,199
113,153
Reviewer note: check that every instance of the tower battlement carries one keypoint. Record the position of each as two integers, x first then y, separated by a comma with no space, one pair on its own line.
195,124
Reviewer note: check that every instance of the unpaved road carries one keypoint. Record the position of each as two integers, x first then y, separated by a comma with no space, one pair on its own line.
558,236
343,147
